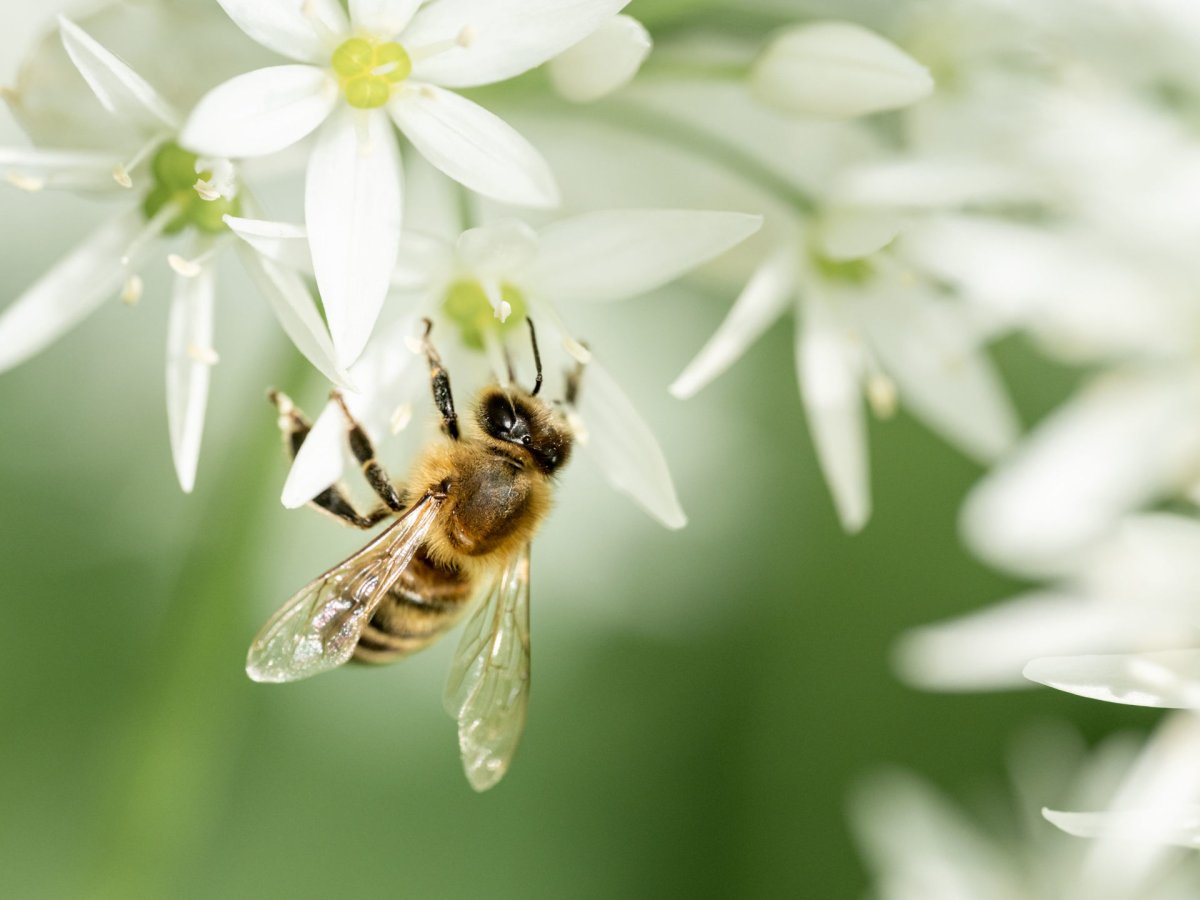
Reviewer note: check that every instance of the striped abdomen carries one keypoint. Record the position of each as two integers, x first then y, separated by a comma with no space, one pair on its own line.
426,601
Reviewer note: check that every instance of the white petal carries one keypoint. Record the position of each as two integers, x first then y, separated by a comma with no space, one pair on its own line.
830,374
1124,441
388,375
280,242
34,169
72,290
929,348
1182,829
837,70
498,249
762,302
382,18
293,306
987,650
122,91
1163,679
320,461
189,359
291,27
352,208
261,112
508,37
602,63
617,254
847,234
625,448
474,147
422,263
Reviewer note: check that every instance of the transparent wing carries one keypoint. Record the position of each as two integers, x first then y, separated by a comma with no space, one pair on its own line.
488,688
318,628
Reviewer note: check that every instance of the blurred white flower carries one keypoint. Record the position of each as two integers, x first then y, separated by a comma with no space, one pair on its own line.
837,70
486,284
1133,590
389,61
161,180
867,327
602,63
920,847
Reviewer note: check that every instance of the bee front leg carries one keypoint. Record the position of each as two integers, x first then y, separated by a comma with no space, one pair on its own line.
440,381
364,452
295,428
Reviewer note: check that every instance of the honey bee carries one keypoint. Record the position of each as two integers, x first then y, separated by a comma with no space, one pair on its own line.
462,532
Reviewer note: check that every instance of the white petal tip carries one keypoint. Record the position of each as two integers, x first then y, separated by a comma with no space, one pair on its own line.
293,499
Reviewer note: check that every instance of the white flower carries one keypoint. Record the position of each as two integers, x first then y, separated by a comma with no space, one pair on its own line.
837,70
487,283
389,62
866,328
919,845
1134,590
159,180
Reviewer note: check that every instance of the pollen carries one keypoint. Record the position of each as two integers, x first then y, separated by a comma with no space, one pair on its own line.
466,304
368,70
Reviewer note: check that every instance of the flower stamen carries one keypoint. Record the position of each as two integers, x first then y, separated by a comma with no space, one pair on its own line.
131,293
27,183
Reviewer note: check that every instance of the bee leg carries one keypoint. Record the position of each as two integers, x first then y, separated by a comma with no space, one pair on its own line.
440,380
364,452
574,376
295,428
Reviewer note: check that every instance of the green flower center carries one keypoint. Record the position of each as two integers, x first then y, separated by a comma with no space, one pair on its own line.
467,306
848,271
368,70
175,177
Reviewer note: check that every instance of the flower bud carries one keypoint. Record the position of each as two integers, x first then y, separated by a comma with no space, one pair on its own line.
837,70
603,62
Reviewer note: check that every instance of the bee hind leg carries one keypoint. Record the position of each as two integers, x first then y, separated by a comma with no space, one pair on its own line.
295,428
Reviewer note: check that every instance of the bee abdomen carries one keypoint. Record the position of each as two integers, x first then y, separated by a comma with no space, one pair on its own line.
423,605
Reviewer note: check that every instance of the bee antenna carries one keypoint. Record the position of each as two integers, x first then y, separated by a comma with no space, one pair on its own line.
428,328
537,357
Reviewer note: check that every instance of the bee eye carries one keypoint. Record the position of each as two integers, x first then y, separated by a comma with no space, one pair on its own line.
498,417
527,440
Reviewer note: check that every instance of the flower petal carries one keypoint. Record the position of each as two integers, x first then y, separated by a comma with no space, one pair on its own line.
929,347
837,70
507,37
986,650
261,112
122,91
474,147
1130,825
1169,679
603,62
290,27
830,375
353,200
1125,440
320,461
762,302
34,169
617,254
293,306
280,242
625,448
69,292
387,376
190,358
382,18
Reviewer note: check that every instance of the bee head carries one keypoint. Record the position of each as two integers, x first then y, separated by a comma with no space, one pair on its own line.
521,419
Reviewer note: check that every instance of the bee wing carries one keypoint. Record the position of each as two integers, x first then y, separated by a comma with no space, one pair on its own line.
488,688
318,628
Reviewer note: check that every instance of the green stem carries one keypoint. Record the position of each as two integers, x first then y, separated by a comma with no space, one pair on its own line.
175,755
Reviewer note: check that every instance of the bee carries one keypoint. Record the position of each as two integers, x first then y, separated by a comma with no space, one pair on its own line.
461,533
